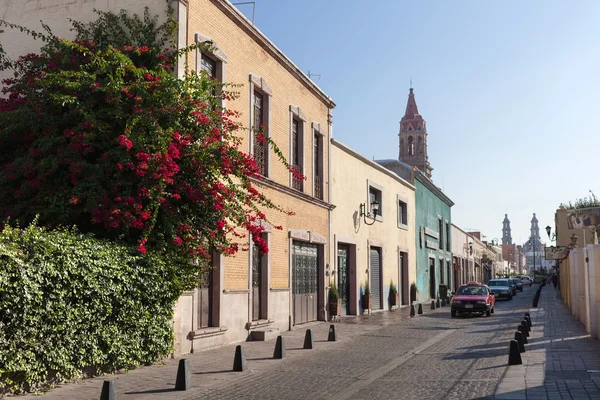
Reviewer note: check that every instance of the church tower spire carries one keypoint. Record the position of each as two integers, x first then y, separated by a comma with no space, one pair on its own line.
413,137
506,235
535,229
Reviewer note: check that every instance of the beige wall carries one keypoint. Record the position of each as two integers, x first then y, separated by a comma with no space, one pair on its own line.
351,174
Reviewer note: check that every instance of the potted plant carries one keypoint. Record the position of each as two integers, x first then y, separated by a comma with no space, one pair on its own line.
335,301
394,296
413,292
367,298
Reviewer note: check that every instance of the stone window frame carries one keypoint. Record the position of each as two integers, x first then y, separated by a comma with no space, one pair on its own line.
319,134
448,244
218,56
265,278
402,213
258,84
441,236
375,186
297,114
216,326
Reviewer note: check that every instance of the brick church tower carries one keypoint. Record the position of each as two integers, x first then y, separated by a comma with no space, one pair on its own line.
413,138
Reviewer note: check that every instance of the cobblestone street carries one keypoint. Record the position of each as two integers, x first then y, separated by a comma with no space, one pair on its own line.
383,356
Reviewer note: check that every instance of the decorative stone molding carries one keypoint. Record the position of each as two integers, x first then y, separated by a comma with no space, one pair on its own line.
375,243
236,291
260,83
215,51
297,111
300,234
261,323
207,332
432,233
316,238
265,181
267,227
316,127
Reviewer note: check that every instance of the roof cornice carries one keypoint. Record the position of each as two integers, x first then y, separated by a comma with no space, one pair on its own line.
371,164
429,184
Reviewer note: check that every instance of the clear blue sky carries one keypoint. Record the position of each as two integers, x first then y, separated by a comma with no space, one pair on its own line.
510,91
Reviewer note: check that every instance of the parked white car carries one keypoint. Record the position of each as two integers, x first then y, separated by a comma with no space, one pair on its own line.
525,280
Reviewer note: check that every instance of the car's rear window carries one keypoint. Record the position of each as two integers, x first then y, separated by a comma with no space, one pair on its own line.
498,283
472,290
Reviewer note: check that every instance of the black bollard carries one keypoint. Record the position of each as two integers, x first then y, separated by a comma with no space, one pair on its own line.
184,376
520,329
412,310
420,310
528,319
239,361
519,339
308,340
332,337
437,303
109,391
432,305
525,328
526,325
514,355
443,302
279,352
527,314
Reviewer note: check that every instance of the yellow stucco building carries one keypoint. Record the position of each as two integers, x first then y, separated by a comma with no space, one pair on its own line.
378,248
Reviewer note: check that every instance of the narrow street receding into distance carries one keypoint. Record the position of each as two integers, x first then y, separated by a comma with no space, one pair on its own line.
384,356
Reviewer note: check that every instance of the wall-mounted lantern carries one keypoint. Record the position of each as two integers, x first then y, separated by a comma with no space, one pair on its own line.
372,214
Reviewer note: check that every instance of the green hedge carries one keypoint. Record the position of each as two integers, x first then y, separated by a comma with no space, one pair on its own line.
69,301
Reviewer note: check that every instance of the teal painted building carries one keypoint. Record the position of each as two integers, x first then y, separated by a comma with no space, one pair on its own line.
433,221
433,224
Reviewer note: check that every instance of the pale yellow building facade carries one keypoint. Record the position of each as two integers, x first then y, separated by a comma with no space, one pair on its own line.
367,247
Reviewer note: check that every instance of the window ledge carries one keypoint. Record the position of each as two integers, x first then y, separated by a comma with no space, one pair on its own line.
403,226
261,323
207,332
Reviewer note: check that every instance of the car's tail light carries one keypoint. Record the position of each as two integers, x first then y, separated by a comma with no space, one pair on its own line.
456,302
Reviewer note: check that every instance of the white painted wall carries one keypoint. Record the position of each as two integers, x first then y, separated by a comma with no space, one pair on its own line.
56,14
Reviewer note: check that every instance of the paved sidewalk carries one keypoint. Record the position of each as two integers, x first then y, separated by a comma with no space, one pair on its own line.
561,360
212,369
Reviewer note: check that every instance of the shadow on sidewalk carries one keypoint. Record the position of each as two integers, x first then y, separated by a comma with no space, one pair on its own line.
152,391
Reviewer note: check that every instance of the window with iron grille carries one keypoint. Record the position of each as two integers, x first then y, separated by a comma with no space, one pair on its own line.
260,147
402,213
209,66
441,234
447,236
318,166
297,156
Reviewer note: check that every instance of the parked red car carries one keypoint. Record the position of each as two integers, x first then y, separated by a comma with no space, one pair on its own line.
473,298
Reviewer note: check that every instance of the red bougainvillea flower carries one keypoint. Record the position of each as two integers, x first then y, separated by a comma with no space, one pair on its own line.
135,154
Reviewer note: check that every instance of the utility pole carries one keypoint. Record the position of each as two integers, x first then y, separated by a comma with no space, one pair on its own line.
533,257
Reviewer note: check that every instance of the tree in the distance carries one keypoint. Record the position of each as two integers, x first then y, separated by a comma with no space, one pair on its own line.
99,132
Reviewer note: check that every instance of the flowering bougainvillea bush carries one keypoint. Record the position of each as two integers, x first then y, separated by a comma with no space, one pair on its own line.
99,132
71,302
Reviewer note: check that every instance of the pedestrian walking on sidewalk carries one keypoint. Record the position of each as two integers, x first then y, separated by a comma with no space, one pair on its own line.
554,280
